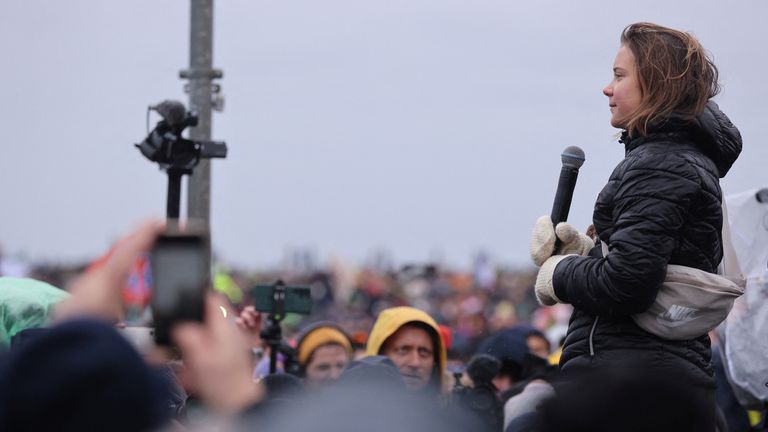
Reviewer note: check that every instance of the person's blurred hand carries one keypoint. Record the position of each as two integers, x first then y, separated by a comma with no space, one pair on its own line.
218,365
97,293
249,323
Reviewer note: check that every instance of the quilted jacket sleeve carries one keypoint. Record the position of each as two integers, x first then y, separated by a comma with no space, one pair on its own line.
651,202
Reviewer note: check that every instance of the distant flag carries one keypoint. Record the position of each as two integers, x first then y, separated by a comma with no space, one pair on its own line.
138,285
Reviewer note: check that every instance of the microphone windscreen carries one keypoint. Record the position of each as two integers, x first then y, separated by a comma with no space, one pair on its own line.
573,157
174,112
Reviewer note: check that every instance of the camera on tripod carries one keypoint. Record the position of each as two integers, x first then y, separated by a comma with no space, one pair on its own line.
166,146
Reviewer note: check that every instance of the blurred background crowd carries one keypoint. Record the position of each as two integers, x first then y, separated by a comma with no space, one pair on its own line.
483,299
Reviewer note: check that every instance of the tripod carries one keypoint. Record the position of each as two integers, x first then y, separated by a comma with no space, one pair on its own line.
273,333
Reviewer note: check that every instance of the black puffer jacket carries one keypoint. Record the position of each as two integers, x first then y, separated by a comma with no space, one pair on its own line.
661,206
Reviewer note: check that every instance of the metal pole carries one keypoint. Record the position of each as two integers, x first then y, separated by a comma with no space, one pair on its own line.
200,75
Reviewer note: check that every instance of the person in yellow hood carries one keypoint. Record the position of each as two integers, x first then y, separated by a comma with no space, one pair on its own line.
411,339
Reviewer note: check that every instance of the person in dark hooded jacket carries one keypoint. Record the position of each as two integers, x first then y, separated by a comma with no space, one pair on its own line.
662,205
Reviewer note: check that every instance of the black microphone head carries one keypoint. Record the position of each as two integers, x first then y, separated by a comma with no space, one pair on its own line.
173,112
573,157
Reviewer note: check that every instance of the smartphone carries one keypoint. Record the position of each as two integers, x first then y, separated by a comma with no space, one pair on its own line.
180,277
298,299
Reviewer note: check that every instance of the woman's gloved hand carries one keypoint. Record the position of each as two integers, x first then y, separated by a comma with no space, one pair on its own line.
545,235
545,290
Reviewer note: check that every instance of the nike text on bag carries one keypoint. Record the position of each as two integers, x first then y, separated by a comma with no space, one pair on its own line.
690,303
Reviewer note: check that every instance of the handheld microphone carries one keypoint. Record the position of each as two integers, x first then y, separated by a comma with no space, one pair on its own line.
573,159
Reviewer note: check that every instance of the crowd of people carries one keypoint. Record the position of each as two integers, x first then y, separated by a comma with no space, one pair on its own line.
473,303
423,347
381,342
353,363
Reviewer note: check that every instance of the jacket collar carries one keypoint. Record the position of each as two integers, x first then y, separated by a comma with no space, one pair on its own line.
711,132
677,132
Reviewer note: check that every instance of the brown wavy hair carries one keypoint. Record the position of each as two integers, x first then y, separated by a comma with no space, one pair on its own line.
674,71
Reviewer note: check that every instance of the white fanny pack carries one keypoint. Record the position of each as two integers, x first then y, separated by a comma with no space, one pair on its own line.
691,302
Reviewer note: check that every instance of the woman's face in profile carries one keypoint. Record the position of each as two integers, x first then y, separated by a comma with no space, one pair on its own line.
623,91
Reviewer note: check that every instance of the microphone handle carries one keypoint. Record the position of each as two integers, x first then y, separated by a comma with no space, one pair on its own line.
564,194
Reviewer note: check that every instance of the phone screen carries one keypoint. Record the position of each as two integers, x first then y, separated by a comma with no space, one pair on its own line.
180,276
297,299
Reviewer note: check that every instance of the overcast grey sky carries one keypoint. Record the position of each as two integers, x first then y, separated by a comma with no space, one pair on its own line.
431,128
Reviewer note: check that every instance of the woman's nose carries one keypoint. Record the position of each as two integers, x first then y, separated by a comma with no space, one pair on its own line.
608,90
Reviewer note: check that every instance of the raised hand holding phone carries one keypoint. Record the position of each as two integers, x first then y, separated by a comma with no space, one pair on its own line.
180,279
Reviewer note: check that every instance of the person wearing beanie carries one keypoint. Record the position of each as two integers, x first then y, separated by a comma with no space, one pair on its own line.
80,375
323,351
511,349
411,339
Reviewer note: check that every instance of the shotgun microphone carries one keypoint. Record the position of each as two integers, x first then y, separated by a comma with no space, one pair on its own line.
173,112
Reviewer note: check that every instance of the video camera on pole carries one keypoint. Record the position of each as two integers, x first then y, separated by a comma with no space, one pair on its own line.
175,154
180,260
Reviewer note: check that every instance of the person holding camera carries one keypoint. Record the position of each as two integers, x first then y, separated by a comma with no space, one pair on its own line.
661,206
